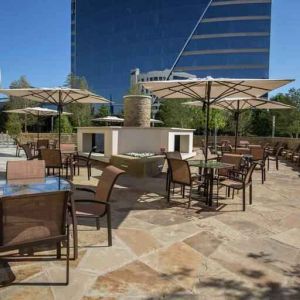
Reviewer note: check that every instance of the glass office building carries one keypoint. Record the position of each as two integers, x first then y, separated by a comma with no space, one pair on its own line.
112,37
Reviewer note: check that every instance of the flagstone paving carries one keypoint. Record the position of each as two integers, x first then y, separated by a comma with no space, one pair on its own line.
166,251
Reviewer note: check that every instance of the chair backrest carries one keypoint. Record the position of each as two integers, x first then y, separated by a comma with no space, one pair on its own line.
27,150
106,183
233,159
52,158
248,176
25,169
242,151
68,147
244,143
257,153
255,146
54,144
42,144
180,171
32,218
173,155
279,150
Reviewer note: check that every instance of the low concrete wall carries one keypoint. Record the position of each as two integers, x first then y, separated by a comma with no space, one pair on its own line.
252,139
31,136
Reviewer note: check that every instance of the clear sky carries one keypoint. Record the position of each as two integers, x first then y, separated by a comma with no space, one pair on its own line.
35,41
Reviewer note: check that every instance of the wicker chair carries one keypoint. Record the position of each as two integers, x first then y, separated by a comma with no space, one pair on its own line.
181,174
275,158
42,144
99,206
171,155
30,221
241,184
259,157
28,152
82,161
228,158
25,170
53,160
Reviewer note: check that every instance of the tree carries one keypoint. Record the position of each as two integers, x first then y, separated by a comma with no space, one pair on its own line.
13,125
288,121
81,113
103,111
25,120
65,125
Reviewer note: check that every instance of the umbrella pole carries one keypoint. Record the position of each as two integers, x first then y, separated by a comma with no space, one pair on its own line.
207,120
237,116
59,119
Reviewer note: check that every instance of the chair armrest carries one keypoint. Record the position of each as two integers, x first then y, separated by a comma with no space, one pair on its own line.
93,201
85,190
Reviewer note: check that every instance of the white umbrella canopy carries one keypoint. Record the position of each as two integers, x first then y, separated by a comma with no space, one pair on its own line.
154,121
36,111
213,89
112,119
59,96
210,90
237,106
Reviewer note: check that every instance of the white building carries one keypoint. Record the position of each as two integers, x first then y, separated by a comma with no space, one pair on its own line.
136,77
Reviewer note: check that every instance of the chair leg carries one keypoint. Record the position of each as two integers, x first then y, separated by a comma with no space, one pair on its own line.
277,166
268,163
169,190
58,250
98,223
167,180
183,191
232,194
190,196
244,198
88,171
250,194
109,233
68,257
262,175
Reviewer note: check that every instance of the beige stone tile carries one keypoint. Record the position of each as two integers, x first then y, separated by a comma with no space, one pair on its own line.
80,281
135,280
178,262
174,233
290,237
139,241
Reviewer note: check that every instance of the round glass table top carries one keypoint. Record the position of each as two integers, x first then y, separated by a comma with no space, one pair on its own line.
33,186
210,164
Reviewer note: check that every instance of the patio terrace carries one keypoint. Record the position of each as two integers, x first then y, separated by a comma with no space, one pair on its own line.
171,252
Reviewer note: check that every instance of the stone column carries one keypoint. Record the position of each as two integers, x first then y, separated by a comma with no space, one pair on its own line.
137,110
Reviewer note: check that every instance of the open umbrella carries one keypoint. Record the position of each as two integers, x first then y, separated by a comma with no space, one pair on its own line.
109,119
36,111
237,106
58,96
154,121
211,90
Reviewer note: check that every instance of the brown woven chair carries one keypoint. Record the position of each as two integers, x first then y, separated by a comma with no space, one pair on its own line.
242,151
30,221
171,155
244,144
241,184
99,206
228,158
82,161
54,161
42,144
181,174
28,152
259,157
275,158
28,169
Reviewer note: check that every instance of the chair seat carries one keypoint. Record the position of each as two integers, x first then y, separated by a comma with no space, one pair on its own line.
232,183
84,208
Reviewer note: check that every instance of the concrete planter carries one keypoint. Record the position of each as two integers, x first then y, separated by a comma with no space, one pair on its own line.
137,110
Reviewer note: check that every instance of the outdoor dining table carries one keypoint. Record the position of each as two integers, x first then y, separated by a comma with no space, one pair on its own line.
35,186
209,167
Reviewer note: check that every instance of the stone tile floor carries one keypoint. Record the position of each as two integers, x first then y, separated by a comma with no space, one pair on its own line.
163,251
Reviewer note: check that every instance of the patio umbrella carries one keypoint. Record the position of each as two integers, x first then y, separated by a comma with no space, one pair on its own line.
211,90
36,111
109,119
57,96
237,106
154,121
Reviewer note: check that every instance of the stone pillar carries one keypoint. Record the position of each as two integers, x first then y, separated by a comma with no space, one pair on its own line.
137,110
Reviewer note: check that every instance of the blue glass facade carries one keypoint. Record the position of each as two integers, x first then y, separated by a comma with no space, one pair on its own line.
111,37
